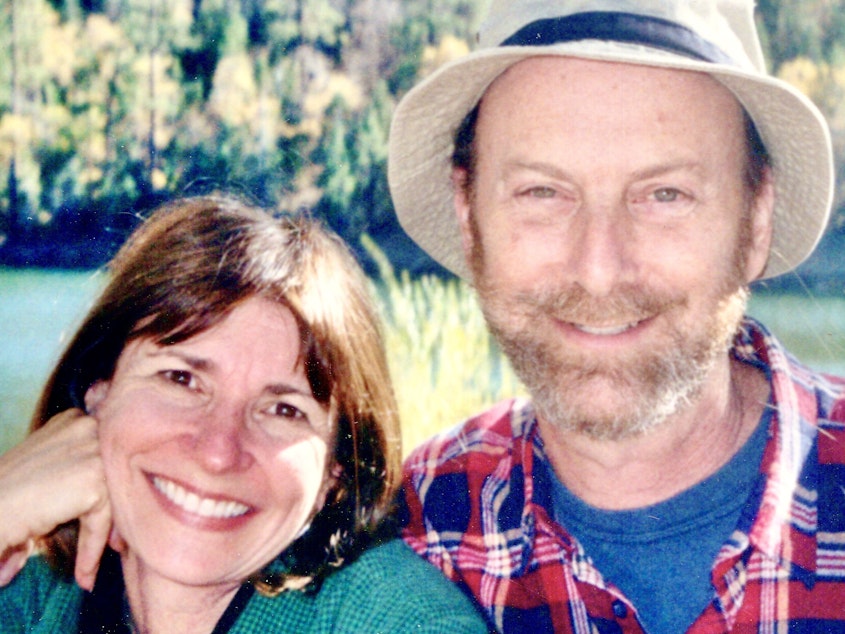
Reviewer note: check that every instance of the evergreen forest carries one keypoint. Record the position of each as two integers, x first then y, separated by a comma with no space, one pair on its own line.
109,107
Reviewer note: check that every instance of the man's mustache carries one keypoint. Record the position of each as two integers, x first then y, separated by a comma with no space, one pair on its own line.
626,304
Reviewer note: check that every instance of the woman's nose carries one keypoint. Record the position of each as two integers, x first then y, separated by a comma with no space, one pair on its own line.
220,442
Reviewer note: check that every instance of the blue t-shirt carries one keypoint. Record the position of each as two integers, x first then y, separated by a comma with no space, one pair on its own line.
660,556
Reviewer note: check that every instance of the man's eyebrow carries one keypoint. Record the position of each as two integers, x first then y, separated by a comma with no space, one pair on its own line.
668,167
549,169
650,171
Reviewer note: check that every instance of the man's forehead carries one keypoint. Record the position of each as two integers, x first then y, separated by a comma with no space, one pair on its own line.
569,84
571,69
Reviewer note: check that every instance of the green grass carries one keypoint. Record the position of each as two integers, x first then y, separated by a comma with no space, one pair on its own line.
813,328
445,365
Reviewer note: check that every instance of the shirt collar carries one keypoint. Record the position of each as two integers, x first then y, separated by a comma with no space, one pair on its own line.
784,512
780,520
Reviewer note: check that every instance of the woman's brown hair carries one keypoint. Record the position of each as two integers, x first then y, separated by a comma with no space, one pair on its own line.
181,272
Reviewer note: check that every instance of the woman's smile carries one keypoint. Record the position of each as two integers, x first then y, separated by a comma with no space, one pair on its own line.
214,447
195,503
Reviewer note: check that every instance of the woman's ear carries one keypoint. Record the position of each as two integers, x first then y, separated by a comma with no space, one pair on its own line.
95,395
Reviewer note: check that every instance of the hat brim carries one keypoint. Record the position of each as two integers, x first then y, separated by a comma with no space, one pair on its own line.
422,135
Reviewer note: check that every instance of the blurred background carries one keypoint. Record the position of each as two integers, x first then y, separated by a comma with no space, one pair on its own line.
110,107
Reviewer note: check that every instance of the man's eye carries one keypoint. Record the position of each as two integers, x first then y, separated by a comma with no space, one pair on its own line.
666,195
541,192
180,377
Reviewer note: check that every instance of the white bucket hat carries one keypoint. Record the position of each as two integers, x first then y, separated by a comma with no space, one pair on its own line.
718,37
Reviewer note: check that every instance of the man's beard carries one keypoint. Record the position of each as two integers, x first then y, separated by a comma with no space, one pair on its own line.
647,384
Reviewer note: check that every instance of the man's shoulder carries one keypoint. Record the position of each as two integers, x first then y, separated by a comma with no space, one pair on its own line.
831,398
487,436
830,401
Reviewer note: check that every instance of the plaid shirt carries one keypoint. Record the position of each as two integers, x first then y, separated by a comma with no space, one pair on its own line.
478,503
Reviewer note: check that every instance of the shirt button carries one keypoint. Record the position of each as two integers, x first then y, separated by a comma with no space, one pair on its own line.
620,610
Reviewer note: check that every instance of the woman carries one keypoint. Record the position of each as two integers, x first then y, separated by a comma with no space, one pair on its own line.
223,418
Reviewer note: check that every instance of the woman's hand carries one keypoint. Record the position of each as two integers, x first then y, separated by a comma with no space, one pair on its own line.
55,475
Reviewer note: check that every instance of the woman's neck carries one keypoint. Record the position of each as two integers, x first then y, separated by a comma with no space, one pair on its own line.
160,605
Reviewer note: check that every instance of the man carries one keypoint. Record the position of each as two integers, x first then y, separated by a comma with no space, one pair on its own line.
611,176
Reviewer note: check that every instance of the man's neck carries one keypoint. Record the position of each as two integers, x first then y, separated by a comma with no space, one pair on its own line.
687,448
162,605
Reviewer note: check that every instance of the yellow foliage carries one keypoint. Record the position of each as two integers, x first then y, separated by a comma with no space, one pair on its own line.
15,130
802,73
56,42
95,147
444,363
181,14
159,179
237,101
101,33
233,96
55,116
318,99
156,92
90,174
337,85
434,57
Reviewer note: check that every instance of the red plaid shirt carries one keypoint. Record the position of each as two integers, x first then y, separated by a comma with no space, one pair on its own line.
478,500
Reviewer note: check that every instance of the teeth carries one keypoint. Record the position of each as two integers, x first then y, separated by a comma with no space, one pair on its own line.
192,503
609,330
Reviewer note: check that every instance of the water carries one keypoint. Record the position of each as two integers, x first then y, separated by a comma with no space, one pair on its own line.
40,309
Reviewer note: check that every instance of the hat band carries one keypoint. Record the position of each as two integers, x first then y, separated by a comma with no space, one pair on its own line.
619,27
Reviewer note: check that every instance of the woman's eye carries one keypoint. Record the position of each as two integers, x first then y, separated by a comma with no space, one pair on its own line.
181,377
285,410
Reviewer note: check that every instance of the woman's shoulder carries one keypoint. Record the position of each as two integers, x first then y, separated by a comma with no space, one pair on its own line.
392,564
388,589
402,592
39,598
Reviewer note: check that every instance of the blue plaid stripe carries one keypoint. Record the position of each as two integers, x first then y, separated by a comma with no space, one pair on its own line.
478,506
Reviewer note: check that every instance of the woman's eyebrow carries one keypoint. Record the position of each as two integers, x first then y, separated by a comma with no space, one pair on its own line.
196,363
281,389
203,364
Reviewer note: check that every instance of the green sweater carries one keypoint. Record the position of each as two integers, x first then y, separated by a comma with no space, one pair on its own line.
388,589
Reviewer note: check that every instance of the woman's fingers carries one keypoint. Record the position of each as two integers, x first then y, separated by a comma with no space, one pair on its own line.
95,528
55,475
12,561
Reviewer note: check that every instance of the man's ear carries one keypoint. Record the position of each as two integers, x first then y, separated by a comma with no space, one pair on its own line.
95,395
762,226
463,209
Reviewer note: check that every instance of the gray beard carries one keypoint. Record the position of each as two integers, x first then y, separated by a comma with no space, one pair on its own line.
655,385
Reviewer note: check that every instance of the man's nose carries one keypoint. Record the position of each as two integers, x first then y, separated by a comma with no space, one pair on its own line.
601,247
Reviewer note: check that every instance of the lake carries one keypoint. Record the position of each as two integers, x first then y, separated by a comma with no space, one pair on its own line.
39,310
